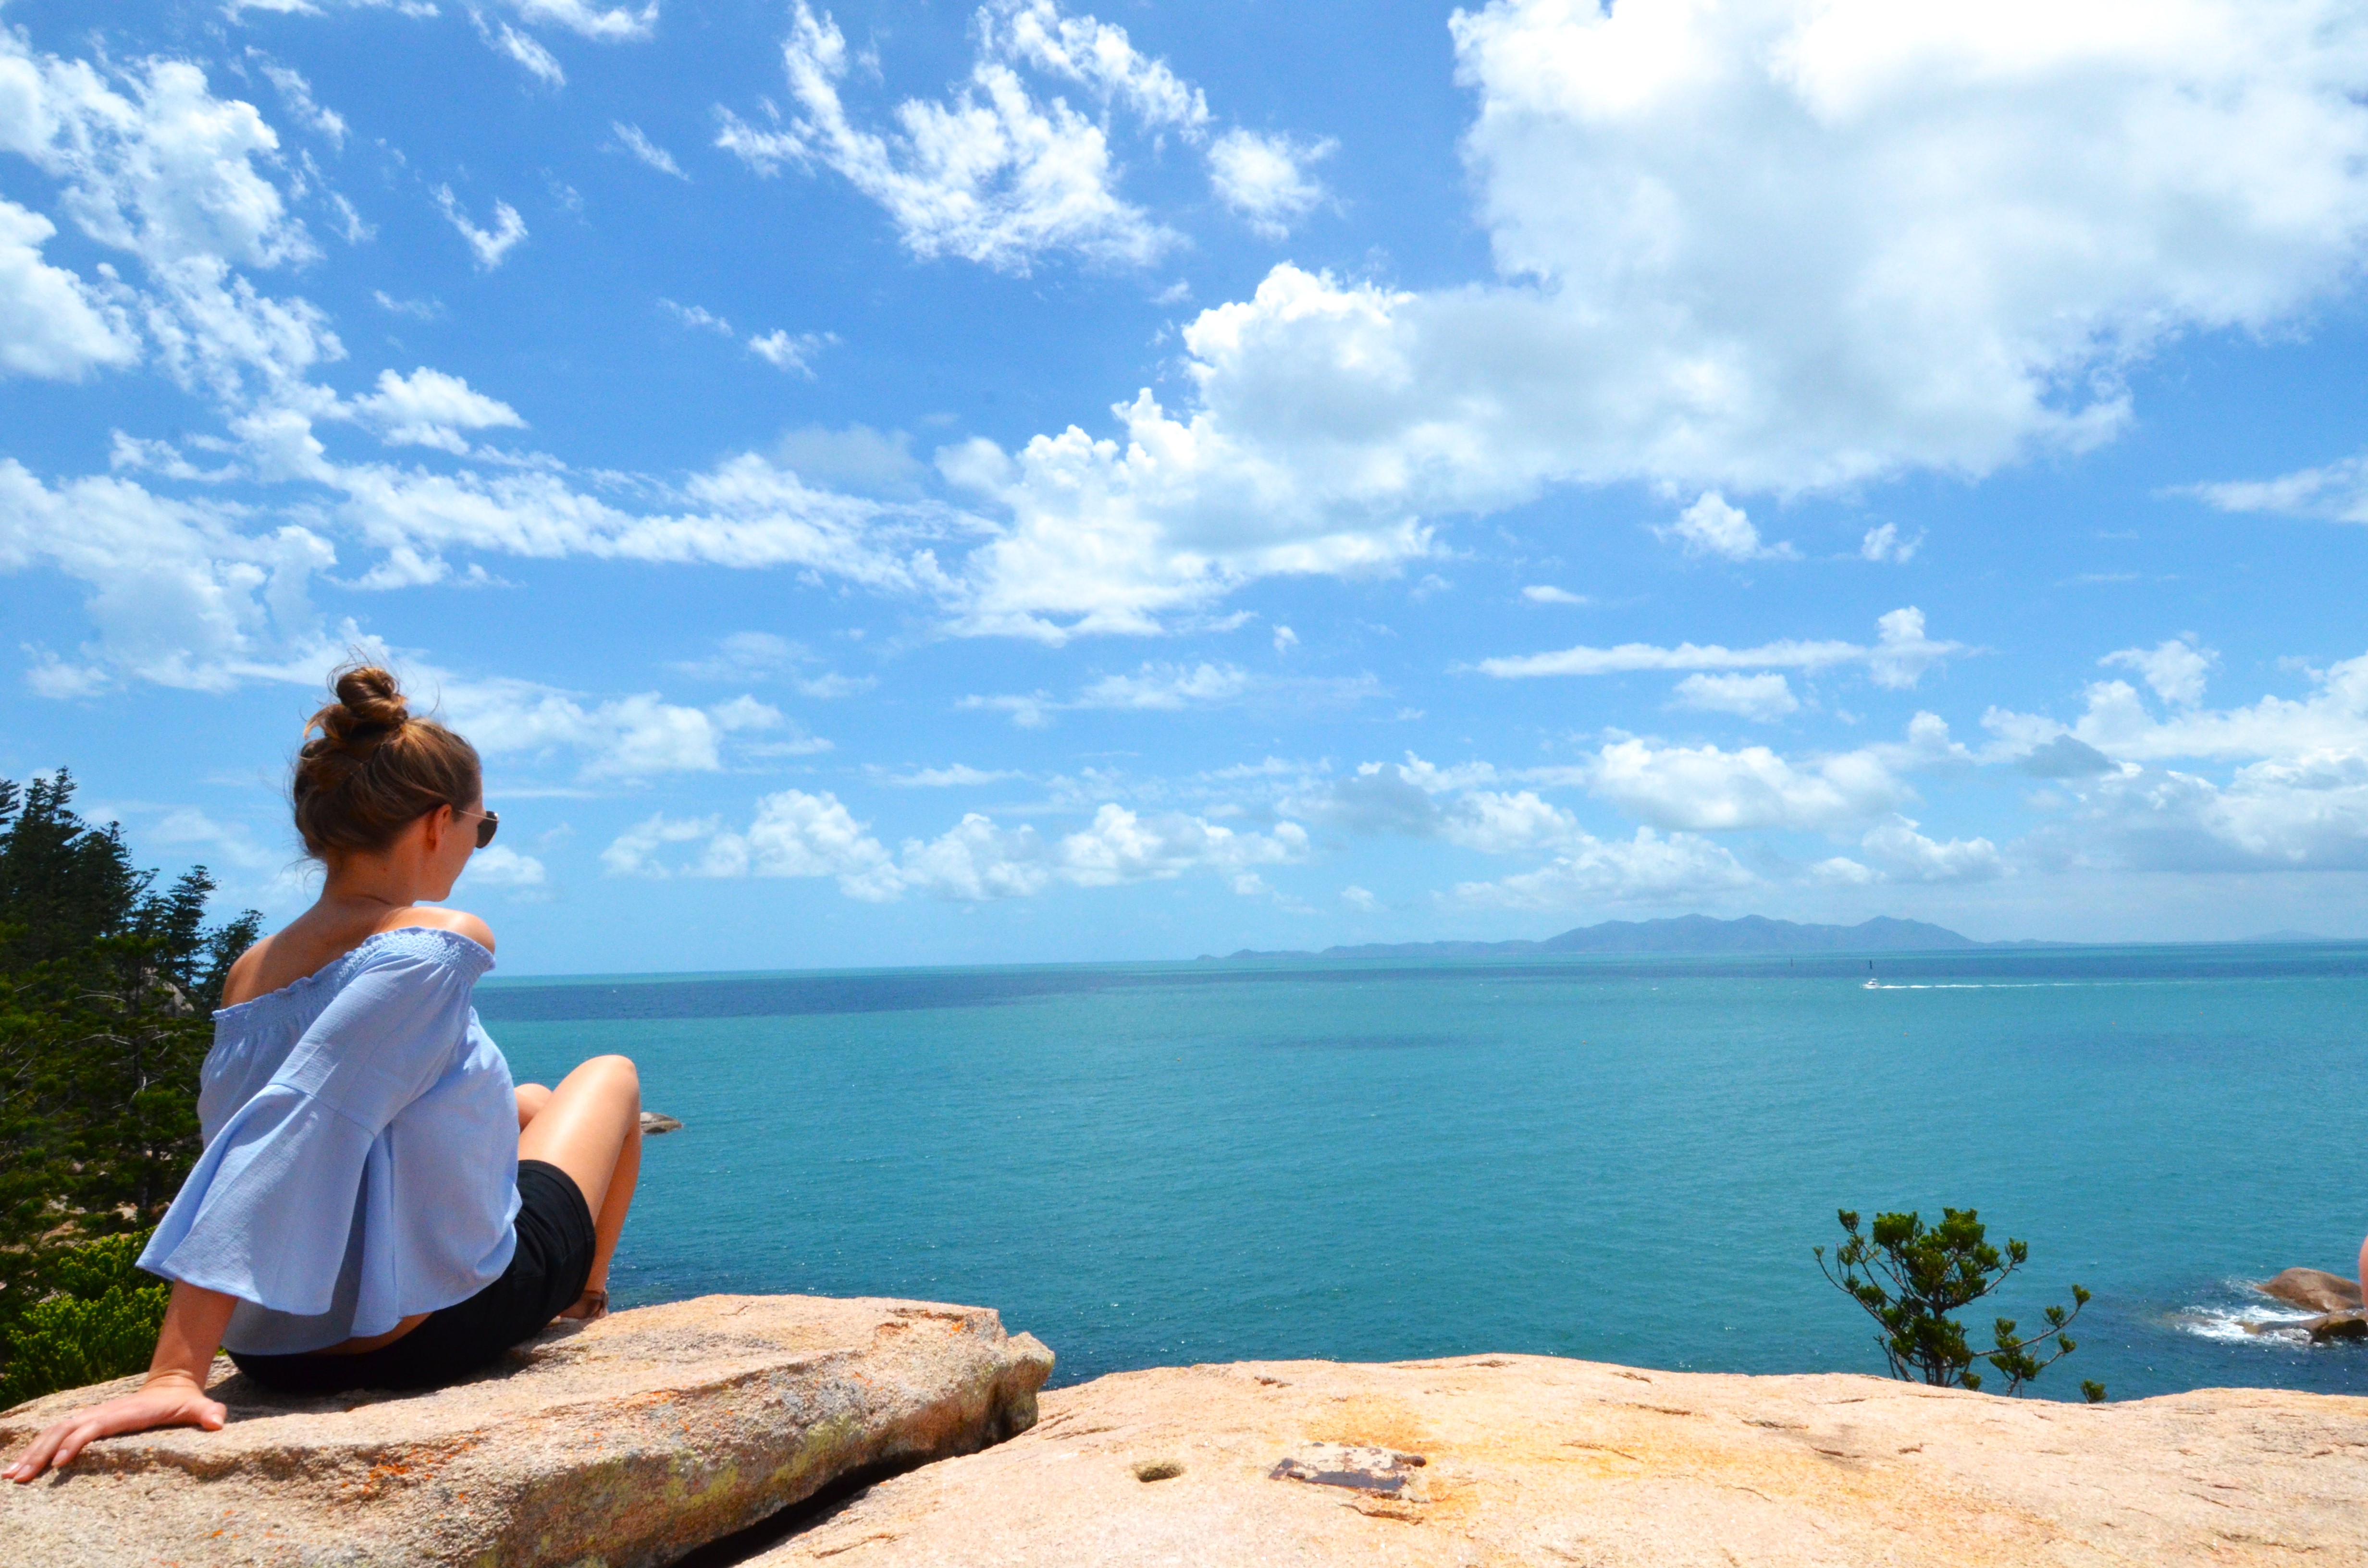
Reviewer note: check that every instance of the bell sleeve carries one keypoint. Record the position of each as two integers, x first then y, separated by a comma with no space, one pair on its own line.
268,1212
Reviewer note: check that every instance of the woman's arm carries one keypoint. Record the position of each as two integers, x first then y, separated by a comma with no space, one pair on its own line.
173,1395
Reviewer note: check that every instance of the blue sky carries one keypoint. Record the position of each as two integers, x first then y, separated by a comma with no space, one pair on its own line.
918,483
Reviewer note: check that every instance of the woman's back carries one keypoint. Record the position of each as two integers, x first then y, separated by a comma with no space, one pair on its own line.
360,1149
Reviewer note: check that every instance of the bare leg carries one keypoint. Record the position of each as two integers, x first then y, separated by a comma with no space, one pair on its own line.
2363,1271
608,1222
591,1128
531,1099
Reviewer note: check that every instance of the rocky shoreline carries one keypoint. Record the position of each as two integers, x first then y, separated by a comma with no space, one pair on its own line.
2335,1298
788,1431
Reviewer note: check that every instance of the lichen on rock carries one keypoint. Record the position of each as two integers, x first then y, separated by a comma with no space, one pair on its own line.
1530,1460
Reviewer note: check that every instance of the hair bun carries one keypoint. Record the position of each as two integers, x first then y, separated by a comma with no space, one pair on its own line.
369,708
373,768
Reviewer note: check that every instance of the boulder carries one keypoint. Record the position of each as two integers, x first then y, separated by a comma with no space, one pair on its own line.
2352,1325
1504,1459
655,1122
623,1442
2313,1289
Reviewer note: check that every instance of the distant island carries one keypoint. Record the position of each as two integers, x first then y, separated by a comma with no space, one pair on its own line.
1685,933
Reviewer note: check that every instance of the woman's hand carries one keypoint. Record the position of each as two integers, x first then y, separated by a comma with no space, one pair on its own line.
173,1395
170,1398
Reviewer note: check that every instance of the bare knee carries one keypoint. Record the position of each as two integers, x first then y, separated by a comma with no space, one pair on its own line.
531,1099
611,1075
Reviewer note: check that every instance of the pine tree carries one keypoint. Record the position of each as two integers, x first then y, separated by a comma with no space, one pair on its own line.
106,988
1909,1277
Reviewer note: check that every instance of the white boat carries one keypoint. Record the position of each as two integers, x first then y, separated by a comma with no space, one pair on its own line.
1871,985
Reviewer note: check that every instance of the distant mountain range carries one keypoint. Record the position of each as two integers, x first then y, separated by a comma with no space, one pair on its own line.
1686,934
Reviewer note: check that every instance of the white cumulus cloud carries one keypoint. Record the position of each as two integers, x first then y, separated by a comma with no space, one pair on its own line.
796,834
151,164
2332,720
634,737
2177,669
499,865
52,324
1650,868
1884,542
1773,247
2295,798
1264,176
1902,854
1707,788
177,593
1712,528
429,408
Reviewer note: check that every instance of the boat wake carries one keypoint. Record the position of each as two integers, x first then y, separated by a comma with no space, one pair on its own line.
2008,984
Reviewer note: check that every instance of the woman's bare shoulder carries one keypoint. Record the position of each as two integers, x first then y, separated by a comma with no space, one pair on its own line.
239,984
459,922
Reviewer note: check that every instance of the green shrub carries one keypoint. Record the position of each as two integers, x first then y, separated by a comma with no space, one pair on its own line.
100,1321
1909,1279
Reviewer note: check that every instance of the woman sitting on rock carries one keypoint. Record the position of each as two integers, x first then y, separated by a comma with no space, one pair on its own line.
376,1207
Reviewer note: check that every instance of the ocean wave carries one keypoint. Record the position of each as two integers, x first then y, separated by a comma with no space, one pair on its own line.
2253,1319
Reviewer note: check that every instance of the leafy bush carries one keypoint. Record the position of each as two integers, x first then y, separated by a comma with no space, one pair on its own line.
100,1321
1909,1279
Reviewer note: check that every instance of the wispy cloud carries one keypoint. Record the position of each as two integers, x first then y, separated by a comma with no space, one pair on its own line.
959,776
795,353
1173,688
631,137
490,246
1897,658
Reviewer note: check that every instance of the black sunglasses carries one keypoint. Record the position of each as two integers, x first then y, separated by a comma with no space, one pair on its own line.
488,823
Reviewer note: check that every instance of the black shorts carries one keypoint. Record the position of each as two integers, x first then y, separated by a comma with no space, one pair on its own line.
545,1277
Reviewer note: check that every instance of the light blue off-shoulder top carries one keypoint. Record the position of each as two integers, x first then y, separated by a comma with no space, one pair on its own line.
360,1159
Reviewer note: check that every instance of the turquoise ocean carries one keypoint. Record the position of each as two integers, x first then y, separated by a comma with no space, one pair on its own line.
1616,1158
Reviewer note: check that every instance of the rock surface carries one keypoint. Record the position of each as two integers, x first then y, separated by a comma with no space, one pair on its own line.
655,1122
1528,1459
623,1442
2327,1327
2313,1289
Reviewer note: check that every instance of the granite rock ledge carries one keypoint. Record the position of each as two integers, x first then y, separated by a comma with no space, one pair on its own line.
625,1442
1505,1460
